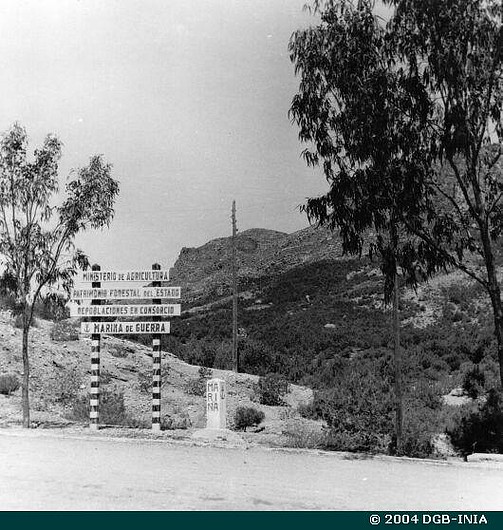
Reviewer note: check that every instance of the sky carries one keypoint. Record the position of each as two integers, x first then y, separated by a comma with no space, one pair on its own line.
188,99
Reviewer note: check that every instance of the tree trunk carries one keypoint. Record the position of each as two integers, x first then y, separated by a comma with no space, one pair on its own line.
398,367
495,296
26,374
498,331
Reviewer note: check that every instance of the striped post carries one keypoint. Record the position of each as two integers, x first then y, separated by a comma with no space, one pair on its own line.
95,366
156,367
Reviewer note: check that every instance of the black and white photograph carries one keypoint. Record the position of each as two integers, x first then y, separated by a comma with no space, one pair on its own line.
251,257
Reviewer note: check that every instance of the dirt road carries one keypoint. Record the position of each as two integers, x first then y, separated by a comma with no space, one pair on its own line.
53,472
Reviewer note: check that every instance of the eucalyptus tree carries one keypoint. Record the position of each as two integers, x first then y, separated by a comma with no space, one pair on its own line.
349,112
36,235
454,49
404,118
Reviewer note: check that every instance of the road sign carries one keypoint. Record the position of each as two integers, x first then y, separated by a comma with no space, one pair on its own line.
125,328
124,276
126,294
164,310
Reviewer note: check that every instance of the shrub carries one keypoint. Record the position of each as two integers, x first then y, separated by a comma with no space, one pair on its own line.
417,434
120,351
473,382
18,320
307,411
137,423
8,383
270,389
175,421
247,417
80,409
358,408
112,409
145,382
223,356
63,387
197,387
205,373
417,444
480,430
302,436
64,331
256,357
357,441
145,378
105,377
199,352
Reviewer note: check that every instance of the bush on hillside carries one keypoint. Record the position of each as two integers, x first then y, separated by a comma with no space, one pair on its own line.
422,405
256,357
197,386
245,417
8,383
199,352
144,377
112,410
358,408
304,436
18,320
307,411
120,351
62,387
145,382
270,389
223,356
64,331
481,430
474,381
176,420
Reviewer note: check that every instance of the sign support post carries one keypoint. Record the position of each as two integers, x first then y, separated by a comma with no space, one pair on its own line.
156,367
94,399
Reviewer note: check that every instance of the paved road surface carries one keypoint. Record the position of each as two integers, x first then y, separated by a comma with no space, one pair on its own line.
51,472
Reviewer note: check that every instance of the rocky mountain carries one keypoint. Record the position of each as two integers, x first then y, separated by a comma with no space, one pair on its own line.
206,272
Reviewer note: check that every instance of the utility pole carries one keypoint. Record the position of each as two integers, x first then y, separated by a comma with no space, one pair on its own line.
235,355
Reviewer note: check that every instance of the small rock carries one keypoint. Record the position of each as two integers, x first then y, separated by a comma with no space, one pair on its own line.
485,457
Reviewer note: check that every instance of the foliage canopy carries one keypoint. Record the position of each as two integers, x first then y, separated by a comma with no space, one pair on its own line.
404,119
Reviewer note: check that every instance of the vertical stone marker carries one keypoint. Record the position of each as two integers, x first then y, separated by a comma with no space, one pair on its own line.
216,404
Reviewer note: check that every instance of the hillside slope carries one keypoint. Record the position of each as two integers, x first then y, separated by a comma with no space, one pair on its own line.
315,316
61,368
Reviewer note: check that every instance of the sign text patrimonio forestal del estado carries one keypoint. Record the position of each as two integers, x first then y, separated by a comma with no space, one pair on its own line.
118,293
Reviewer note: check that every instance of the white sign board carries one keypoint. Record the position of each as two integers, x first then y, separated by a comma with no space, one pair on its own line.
124,276
126,294
151,310
127,328
216,409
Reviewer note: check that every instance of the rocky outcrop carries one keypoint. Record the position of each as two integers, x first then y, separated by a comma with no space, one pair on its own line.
206,272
